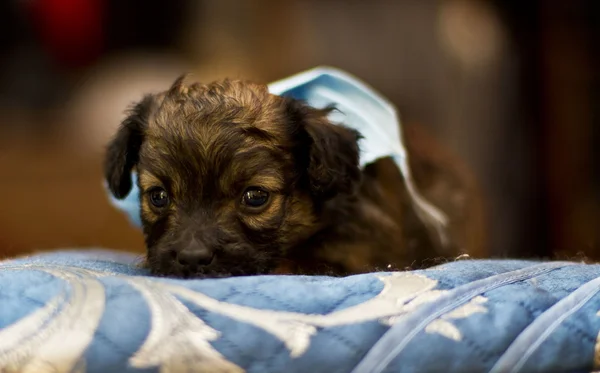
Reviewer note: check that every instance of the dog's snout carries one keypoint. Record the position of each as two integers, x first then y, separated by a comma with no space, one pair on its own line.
195,255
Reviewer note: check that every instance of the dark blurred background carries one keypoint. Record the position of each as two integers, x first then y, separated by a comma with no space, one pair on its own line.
511,86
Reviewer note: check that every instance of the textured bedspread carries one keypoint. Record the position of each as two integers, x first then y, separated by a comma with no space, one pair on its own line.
95,311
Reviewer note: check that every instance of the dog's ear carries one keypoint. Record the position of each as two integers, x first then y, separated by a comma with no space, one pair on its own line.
329,151
123,151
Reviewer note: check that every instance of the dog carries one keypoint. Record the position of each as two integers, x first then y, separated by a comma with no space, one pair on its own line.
236,181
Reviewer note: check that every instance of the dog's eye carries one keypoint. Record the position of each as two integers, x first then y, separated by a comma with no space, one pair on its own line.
255,197
159,197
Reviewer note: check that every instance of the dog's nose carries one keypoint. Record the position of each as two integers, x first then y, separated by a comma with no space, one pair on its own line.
195,256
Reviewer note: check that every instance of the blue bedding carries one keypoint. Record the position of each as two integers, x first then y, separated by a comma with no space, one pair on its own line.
96,311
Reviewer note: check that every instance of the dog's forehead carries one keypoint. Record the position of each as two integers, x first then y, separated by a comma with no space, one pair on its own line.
194,150
219,104
222,116
211,139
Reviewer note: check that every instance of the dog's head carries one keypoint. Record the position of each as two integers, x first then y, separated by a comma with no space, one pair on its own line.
230,176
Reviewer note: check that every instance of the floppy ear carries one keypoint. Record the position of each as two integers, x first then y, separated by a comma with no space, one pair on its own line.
330,151
123,151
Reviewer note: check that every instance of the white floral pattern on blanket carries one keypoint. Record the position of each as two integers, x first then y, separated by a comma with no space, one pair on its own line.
177,336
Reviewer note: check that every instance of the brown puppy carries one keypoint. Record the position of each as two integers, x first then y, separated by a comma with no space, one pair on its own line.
236,181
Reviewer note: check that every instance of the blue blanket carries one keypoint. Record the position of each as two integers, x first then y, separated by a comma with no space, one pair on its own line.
96,311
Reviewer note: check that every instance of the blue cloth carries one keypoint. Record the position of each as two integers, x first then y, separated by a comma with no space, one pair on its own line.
97,311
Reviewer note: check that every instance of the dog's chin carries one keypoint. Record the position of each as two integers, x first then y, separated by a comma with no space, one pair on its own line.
167,266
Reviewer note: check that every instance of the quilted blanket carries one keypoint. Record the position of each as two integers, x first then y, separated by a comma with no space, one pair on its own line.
96,311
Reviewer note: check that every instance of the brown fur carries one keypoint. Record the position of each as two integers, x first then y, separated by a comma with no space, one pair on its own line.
206,144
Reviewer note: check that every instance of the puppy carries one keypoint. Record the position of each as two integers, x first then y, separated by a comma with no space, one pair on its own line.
236,181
